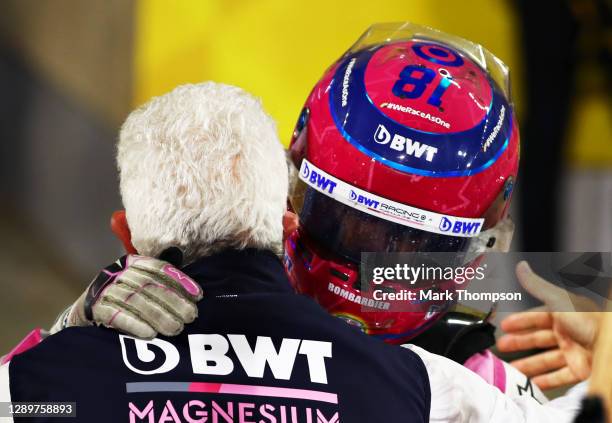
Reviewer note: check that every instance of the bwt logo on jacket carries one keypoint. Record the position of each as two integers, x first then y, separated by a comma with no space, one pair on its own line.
322,182
362,199
459,227
399,143
209,356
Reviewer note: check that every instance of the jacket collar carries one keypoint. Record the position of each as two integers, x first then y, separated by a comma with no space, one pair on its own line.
233,272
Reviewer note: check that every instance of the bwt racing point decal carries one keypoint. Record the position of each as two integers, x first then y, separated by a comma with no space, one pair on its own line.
384,208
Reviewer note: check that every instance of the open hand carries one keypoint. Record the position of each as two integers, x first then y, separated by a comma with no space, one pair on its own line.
568,337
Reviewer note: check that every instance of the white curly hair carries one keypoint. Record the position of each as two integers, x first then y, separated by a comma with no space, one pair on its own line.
201,168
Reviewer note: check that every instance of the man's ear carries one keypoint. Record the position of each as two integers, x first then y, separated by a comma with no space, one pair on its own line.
290,223
120,228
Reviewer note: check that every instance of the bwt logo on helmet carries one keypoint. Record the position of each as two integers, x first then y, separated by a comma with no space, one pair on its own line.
320,181
362,199
399,143
459,227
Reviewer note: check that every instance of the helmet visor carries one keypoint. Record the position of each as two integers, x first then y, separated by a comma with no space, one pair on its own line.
349,232
347,221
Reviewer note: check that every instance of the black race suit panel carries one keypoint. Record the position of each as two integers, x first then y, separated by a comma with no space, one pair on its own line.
258,352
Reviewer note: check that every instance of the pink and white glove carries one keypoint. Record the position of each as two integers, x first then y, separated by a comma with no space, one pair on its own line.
138,295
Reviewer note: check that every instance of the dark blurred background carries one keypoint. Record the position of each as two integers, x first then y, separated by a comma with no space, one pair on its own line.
71,70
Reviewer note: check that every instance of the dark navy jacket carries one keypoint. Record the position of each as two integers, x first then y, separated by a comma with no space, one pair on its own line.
258,352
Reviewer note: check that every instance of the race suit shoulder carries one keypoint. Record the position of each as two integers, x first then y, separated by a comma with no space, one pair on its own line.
460,395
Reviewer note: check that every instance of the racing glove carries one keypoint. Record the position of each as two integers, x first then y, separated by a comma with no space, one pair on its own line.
138,295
